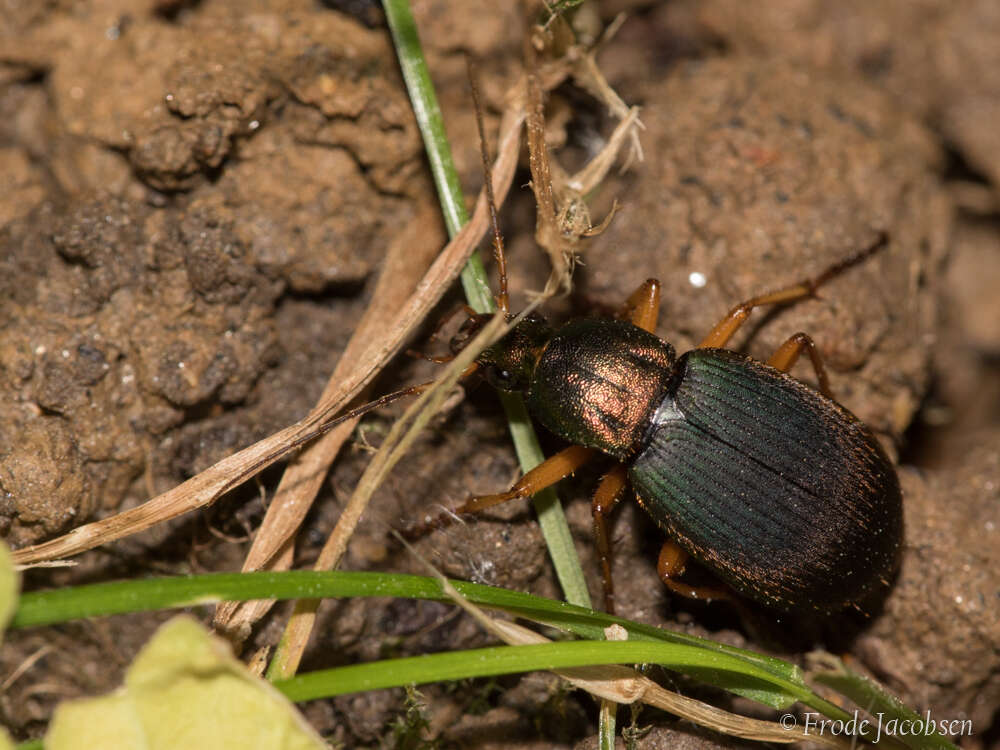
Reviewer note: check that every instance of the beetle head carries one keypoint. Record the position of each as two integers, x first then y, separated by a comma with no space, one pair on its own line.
507,365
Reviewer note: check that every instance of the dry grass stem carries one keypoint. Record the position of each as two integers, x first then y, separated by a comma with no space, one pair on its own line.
563,219
402,434
273,546
206,487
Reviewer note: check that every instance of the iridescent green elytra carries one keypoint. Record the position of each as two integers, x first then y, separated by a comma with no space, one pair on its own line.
778,489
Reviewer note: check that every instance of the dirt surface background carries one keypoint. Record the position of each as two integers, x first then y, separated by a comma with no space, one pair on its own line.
197,200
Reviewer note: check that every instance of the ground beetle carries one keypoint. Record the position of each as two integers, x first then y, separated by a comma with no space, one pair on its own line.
780,491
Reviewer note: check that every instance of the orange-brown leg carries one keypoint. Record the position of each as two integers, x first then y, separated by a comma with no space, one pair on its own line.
642,308
547,473
788,354
609,494
670,566
724,330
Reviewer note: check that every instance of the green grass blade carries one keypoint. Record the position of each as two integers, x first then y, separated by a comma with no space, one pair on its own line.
477,290
431,124
499,660
50,607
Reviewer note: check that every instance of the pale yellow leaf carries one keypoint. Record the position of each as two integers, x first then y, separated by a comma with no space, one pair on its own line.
184,690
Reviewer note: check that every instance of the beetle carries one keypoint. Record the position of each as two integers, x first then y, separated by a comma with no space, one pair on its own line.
777,489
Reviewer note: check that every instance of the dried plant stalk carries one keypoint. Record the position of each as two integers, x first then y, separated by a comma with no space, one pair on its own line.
296,635
409,255
208,486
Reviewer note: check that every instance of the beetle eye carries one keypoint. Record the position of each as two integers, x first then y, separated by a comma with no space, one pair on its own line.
498,377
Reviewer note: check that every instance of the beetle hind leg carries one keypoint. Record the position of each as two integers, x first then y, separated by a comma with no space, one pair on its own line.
670,566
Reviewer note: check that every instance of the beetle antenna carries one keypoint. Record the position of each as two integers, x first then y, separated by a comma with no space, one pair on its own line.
326,424
503,300
880,242
438,359
385,400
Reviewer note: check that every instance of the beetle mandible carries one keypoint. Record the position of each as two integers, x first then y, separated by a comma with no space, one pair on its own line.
775,487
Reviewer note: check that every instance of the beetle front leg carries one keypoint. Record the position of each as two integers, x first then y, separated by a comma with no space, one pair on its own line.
609,494
642,308
544,475
788,354
670,566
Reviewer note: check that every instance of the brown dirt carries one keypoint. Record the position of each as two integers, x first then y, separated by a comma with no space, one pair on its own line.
200,195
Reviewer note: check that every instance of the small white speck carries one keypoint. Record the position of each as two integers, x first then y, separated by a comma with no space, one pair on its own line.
254,124
990,526
65,353
180,365
615,633
697,279
40,350
958,600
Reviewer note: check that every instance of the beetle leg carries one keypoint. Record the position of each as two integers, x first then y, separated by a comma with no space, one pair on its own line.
642,308
719,336
670,566
608,495
547,473
724,330
788,354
